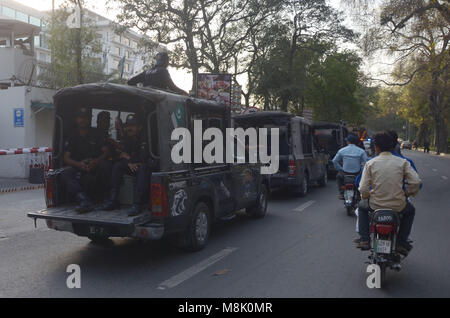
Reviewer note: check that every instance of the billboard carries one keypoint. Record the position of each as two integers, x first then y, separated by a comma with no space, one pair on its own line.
216,87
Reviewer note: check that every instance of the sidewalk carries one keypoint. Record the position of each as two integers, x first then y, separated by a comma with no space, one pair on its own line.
12,185
433,153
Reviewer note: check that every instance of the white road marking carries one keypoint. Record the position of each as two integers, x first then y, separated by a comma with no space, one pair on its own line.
2,235
194,270
444,177
304,206
435,170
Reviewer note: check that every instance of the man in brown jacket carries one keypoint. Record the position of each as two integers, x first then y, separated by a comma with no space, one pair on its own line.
386,183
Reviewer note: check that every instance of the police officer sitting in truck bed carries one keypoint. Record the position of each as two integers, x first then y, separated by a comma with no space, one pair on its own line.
84,153
133,161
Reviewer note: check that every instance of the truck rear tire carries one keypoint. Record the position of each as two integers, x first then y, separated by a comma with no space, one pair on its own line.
259,210
197,234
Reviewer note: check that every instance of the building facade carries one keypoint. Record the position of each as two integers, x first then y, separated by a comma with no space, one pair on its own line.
26,108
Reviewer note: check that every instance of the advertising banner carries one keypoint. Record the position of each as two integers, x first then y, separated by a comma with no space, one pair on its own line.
216,87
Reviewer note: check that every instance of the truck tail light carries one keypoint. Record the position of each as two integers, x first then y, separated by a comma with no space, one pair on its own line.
158,200
49,192
292,168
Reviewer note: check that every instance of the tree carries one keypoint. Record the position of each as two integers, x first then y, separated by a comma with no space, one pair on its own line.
334,86
416,34
205,34
74,51
311,20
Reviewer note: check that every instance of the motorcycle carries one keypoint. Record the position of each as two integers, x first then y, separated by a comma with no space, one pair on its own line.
351,195
384,228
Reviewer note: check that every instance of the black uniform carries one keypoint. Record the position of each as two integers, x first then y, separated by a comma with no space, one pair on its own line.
157,76
83,148
138,150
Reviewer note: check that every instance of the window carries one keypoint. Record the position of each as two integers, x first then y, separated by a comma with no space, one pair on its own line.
35,21
126,41
129,54
209,120
115,63
8,12
306,132
117,50
127,67
21,16
37,41
117,38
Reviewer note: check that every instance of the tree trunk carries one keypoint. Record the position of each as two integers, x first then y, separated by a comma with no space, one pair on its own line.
436,107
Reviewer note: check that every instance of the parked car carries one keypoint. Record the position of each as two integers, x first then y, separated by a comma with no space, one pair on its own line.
300,163
406,145
330,137
185,199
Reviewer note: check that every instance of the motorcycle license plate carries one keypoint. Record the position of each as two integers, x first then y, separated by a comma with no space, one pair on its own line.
383,247
349,194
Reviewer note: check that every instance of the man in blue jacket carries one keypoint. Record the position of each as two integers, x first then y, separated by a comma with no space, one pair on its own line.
353,160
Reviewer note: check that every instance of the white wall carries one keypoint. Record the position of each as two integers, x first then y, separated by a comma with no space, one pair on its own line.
37,130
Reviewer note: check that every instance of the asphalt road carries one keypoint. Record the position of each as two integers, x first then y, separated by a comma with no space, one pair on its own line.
302,248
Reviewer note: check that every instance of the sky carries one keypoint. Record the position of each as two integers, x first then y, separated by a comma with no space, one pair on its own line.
181,77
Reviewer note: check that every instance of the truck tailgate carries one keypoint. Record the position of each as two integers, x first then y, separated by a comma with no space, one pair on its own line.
113,218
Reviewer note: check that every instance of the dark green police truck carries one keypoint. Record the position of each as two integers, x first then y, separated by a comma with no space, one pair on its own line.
185,198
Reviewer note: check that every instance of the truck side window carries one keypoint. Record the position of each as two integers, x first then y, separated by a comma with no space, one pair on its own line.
306,139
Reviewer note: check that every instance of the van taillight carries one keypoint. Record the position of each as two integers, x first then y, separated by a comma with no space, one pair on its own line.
158,200
384,229
49,192
292,168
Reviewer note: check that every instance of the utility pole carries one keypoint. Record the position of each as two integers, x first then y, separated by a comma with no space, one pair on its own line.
79,48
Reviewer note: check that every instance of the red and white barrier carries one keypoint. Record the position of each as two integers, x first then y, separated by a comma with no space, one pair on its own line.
20,151
39,157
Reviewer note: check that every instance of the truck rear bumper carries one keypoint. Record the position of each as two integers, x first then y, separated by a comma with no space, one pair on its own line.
100,223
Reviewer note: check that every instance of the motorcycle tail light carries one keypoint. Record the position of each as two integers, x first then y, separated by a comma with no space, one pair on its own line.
349,186
292,168
158,200
384,229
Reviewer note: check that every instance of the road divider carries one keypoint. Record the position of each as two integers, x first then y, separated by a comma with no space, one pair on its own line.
194,270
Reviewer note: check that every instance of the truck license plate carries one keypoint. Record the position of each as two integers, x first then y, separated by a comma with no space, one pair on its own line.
383,247
97,231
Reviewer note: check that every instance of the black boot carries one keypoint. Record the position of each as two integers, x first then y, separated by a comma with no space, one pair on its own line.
112,203
84,204
136,209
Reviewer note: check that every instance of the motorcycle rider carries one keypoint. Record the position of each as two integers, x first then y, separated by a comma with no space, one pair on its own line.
353,159
386,182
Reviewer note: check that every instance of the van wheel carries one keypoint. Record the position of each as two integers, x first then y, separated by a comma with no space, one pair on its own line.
260,208
324,180
197,234
304,185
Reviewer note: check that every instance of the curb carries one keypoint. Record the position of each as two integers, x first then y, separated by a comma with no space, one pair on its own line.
23,188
